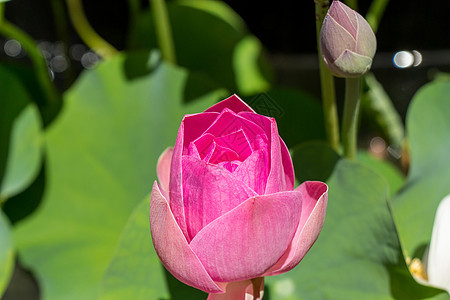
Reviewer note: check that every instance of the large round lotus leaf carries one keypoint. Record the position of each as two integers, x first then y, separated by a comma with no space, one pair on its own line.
314,161
428,133
102,153
135,271
358,254
394,178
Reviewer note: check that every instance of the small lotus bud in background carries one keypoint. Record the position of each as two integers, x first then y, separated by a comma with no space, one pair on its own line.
347,41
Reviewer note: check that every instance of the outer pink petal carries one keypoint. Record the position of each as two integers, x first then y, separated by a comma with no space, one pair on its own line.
345,16
278,179
190,129
334,39
288,167
175,183
209,191
247,241
173,249
364,29
163,168
233,102
239,290
314,205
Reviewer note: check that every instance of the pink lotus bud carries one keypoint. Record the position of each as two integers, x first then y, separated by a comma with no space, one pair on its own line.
225,212
347,42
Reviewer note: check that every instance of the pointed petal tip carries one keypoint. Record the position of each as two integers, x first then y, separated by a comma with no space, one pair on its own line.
335,38
339,7
234,103
314,187
351,64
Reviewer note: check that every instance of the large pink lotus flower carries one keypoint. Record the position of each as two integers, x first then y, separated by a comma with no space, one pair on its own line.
225,213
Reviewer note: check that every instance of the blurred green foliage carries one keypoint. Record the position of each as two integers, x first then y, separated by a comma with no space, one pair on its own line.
6,253
20,150
101,154
428,127
358,253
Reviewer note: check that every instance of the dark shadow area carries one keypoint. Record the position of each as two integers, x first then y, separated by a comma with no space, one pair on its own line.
9,111
314,161
23,285
141,63
23,204
298,114
180,291
27,77
420,251
267,292
197,85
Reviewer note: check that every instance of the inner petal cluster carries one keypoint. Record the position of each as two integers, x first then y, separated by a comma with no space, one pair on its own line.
227,151
224,165
228,141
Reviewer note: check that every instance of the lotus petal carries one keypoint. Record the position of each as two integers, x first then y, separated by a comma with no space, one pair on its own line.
314,204
173,249
247,241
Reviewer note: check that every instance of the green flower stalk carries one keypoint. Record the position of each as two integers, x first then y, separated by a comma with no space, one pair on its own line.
347,42
348,45
327,83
